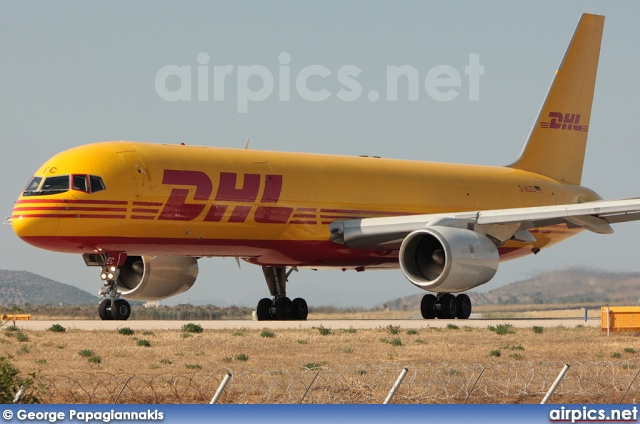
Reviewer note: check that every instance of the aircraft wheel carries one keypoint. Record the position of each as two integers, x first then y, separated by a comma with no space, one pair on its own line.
284,309
427,306
104,310
263,311
121,310
448,306
300,309
464,306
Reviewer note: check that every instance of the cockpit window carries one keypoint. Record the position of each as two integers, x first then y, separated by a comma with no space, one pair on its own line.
96,183
80,183
62,183
34,184
55,185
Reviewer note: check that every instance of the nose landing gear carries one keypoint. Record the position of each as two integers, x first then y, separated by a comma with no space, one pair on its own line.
112,308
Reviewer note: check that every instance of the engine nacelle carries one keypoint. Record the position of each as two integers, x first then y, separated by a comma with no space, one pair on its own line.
156,277
447,259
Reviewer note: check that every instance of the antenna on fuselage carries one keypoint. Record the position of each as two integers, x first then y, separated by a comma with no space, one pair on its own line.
246,145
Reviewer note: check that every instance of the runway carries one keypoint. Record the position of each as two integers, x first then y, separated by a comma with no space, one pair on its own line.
97,325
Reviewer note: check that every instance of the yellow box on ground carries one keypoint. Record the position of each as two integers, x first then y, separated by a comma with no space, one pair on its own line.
620,318
16,317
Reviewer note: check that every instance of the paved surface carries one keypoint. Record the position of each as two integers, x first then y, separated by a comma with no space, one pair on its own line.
334,324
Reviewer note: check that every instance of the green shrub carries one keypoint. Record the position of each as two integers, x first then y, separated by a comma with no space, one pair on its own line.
616,355
166,361
396,342
144,343
192,328
301,341
148,333
126,331
313,366
393,329
242,357
95,359
629,350
268,334
85,353
452,327
10,384
516,356
495,353
412,332
502,329
324,331
57,328
538,330
193,366
21,337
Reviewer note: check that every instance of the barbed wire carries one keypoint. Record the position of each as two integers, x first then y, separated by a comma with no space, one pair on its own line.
513,382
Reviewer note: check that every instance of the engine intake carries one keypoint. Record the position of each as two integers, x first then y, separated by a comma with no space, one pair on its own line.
447,259
156,277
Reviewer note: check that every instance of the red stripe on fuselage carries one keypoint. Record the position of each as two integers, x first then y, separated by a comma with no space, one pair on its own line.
90,202
69,208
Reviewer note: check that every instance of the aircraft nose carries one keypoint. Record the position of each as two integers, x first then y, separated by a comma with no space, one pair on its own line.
32,227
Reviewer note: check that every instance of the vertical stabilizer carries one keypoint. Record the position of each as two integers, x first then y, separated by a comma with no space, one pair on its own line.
558,138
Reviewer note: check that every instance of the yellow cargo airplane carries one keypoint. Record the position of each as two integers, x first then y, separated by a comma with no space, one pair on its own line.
145,213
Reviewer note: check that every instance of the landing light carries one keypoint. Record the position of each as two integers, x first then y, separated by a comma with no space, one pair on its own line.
103,276
110,276
112,269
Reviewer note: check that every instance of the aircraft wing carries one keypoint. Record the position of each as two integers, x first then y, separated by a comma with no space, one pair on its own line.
500,224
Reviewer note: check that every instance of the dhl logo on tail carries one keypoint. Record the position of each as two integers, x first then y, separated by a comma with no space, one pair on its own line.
568,121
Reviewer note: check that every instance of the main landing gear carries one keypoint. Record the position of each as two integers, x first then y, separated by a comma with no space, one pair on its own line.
280,308
112,308
445,306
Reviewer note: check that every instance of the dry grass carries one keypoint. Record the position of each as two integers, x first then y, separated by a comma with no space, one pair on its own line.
346,354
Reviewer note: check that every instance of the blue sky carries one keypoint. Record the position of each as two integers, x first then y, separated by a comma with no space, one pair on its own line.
79,72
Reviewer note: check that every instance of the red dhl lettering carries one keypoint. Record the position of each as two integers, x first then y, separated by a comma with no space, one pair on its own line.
178,208
567,121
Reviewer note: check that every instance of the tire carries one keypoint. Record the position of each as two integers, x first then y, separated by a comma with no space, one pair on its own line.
121,310
263,311
300,309
427,306
104,310
448,306
284,309
464,306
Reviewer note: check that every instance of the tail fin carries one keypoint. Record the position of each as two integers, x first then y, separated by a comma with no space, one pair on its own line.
558,138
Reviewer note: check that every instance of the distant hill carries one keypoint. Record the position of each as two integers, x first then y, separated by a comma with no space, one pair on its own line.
573,285
21,287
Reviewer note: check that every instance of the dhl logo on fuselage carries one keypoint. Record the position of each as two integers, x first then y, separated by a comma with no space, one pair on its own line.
178,209
567,121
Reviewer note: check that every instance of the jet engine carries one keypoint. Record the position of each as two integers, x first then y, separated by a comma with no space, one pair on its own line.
156,277
447,259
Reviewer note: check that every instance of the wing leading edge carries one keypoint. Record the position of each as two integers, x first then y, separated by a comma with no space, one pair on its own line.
501,224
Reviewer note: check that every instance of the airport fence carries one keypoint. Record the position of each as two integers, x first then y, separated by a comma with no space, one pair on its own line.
453,383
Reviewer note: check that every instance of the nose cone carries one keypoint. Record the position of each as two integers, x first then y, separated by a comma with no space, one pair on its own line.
34,228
